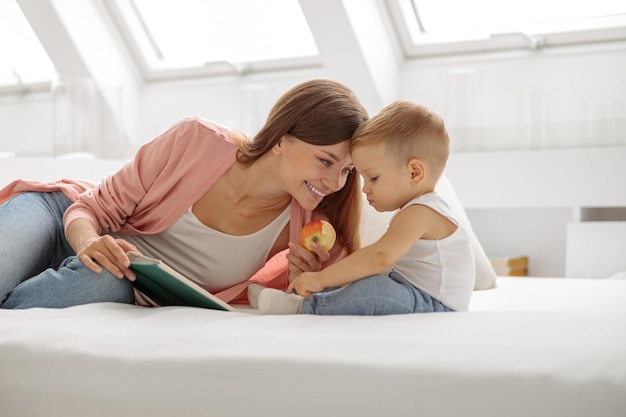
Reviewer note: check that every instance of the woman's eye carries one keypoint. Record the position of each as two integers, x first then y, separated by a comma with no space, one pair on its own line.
347,171
326,162
373,179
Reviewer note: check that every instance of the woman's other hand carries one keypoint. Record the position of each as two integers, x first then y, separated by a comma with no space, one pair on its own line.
301,260
98,252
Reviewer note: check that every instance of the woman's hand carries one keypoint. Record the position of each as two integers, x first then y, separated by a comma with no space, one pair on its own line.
98,252
301,260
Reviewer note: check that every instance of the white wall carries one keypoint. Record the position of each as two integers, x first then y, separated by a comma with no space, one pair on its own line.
26,124
489,103
538,233
242,103
566,97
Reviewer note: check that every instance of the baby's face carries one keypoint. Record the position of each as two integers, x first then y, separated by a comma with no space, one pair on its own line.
386,184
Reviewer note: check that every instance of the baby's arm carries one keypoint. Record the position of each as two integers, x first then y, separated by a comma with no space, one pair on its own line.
410,224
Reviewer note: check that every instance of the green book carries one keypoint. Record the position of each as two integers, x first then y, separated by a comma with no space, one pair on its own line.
168,287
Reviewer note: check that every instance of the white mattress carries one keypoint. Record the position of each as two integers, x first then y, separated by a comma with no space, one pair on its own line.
532,347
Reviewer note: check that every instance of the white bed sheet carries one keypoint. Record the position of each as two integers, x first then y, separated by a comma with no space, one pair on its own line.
532,347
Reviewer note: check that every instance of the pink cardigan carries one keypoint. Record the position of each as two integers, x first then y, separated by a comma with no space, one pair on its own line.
166,177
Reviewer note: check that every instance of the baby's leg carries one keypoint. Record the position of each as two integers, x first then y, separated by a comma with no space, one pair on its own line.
373,296
32,237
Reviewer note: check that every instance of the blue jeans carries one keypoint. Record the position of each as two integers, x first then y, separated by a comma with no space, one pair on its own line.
377,295
38,267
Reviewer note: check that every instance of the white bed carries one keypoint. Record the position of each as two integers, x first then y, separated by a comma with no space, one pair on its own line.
532,347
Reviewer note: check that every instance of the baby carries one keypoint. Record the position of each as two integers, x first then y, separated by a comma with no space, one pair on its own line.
424,261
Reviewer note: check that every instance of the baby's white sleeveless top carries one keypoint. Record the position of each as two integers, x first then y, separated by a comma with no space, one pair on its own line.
443,268
212,259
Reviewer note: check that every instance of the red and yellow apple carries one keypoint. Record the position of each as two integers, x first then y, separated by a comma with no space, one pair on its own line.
320,232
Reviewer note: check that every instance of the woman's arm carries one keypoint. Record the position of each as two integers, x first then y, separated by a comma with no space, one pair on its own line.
115,202
409,225
109,205
166,176
98,252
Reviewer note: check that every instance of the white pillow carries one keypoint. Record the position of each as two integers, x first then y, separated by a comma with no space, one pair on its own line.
374,224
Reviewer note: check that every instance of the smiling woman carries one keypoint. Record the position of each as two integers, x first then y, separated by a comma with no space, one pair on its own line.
198,197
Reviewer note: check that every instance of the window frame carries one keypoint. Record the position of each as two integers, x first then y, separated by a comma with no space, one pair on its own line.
138,43
607,29
26,82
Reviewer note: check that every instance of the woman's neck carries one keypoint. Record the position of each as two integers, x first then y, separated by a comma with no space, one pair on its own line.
255,186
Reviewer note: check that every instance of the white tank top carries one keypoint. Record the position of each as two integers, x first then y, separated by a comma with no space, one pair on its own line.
443,268
212,259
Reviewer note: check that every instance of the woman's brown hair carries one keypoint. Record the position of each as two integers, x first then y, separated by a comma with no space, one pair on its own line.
319,112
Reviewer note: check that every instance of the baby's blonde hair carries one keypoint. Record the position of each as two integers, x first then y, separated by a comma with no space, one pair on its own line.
408,130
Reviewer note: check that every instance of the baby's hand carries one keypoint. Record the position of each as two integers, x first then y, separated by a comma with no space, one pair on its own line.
306,284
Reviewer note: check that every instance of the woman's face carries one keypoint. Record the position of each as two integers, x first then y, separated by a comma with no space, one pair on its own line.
311,172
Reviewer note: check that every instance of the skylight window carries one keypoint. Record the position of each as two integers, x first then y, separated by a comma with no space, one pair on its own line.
170,35
23,61
431,27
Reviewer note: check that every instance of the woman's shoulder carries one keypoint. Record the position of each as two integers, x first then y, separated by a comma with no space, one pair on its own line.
204,127
197,134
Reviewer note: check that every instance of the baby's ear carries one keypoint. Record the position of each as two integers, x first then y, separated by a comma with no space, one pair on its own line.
417,170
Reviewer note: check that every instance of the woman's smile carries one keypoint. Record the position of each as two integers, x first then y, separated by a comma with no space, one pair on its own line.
315,191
